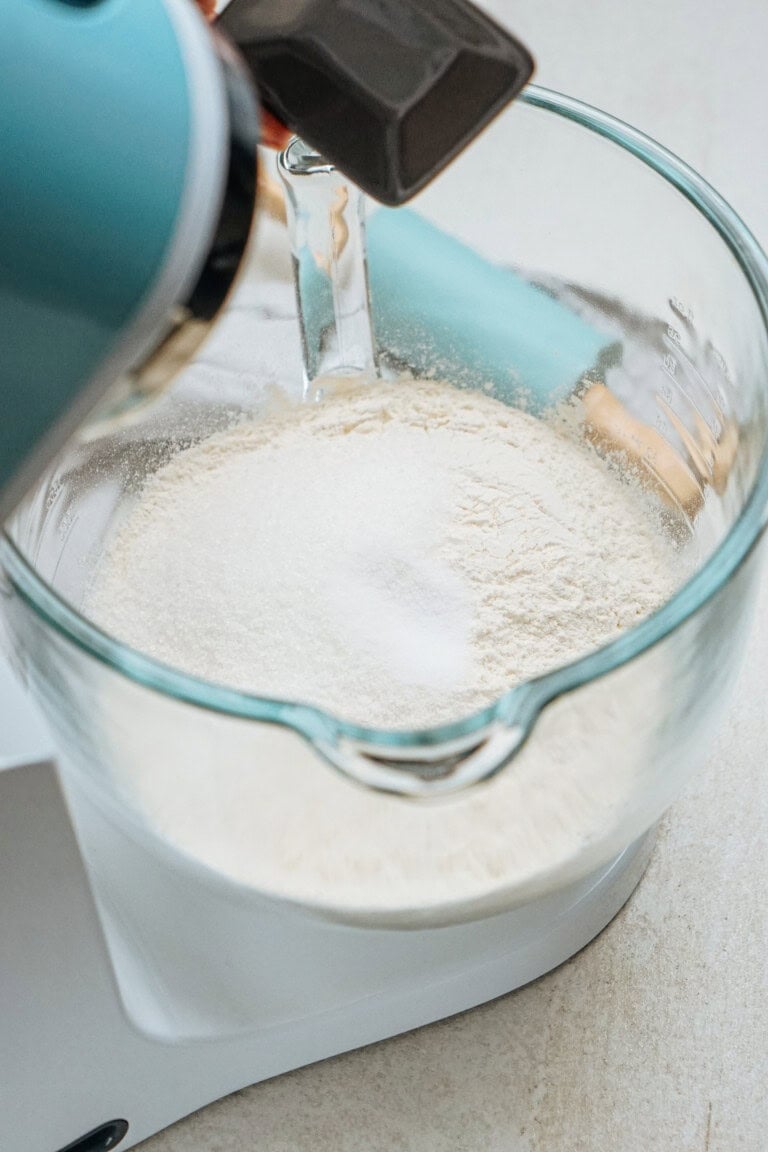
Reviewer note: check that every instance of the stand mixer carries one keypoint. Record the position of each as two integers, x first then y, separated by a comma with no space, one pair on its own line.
137,985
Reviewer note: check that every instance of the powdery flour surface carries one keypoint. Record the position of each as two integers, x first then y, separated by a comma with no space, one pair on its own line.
399,556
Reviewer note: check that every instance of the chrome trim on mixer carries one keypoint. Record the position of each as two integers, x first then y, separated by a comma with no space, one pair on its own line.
189,323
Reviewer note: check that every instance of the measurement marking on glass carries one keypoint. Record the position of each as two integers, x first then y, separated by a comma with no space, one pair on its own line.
670,363
667,395
719,360
681,309
702,455
53,494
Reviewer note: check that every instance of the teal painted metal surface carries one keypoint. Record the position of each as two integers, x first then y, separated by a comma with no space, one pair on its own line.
94,124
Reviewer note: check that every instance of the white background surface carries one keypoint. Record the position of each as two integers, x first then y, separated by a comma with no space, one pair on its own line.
656,1036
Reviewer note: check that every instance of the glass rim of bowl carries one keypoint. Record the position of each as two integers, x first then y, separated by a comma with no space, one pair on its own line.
521,705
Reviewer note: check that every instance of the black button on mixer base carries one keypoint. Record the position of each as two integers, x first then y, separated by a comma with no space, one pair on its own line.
102,1139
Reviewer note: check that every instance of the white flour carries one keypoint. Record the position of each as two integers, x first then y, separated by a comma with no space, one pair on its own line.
399,556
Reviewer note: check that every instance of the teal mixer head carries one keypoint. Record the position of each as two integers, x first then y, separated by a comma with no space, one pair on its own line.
127,190
128,178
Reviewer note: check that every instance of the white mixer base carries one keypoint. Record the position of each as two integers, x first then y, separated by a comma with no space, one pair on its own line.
71,1060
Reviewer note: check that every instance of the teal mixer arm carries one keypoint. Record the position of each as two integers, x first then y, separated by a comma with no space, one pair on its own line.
126,191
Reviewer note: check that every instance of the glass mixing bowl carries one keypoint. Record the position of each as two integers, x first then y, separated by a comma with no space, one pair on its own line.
622,233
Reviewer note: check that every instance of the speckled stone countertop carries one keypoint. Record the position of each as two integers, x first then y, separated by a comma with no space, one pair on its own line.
655,1037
